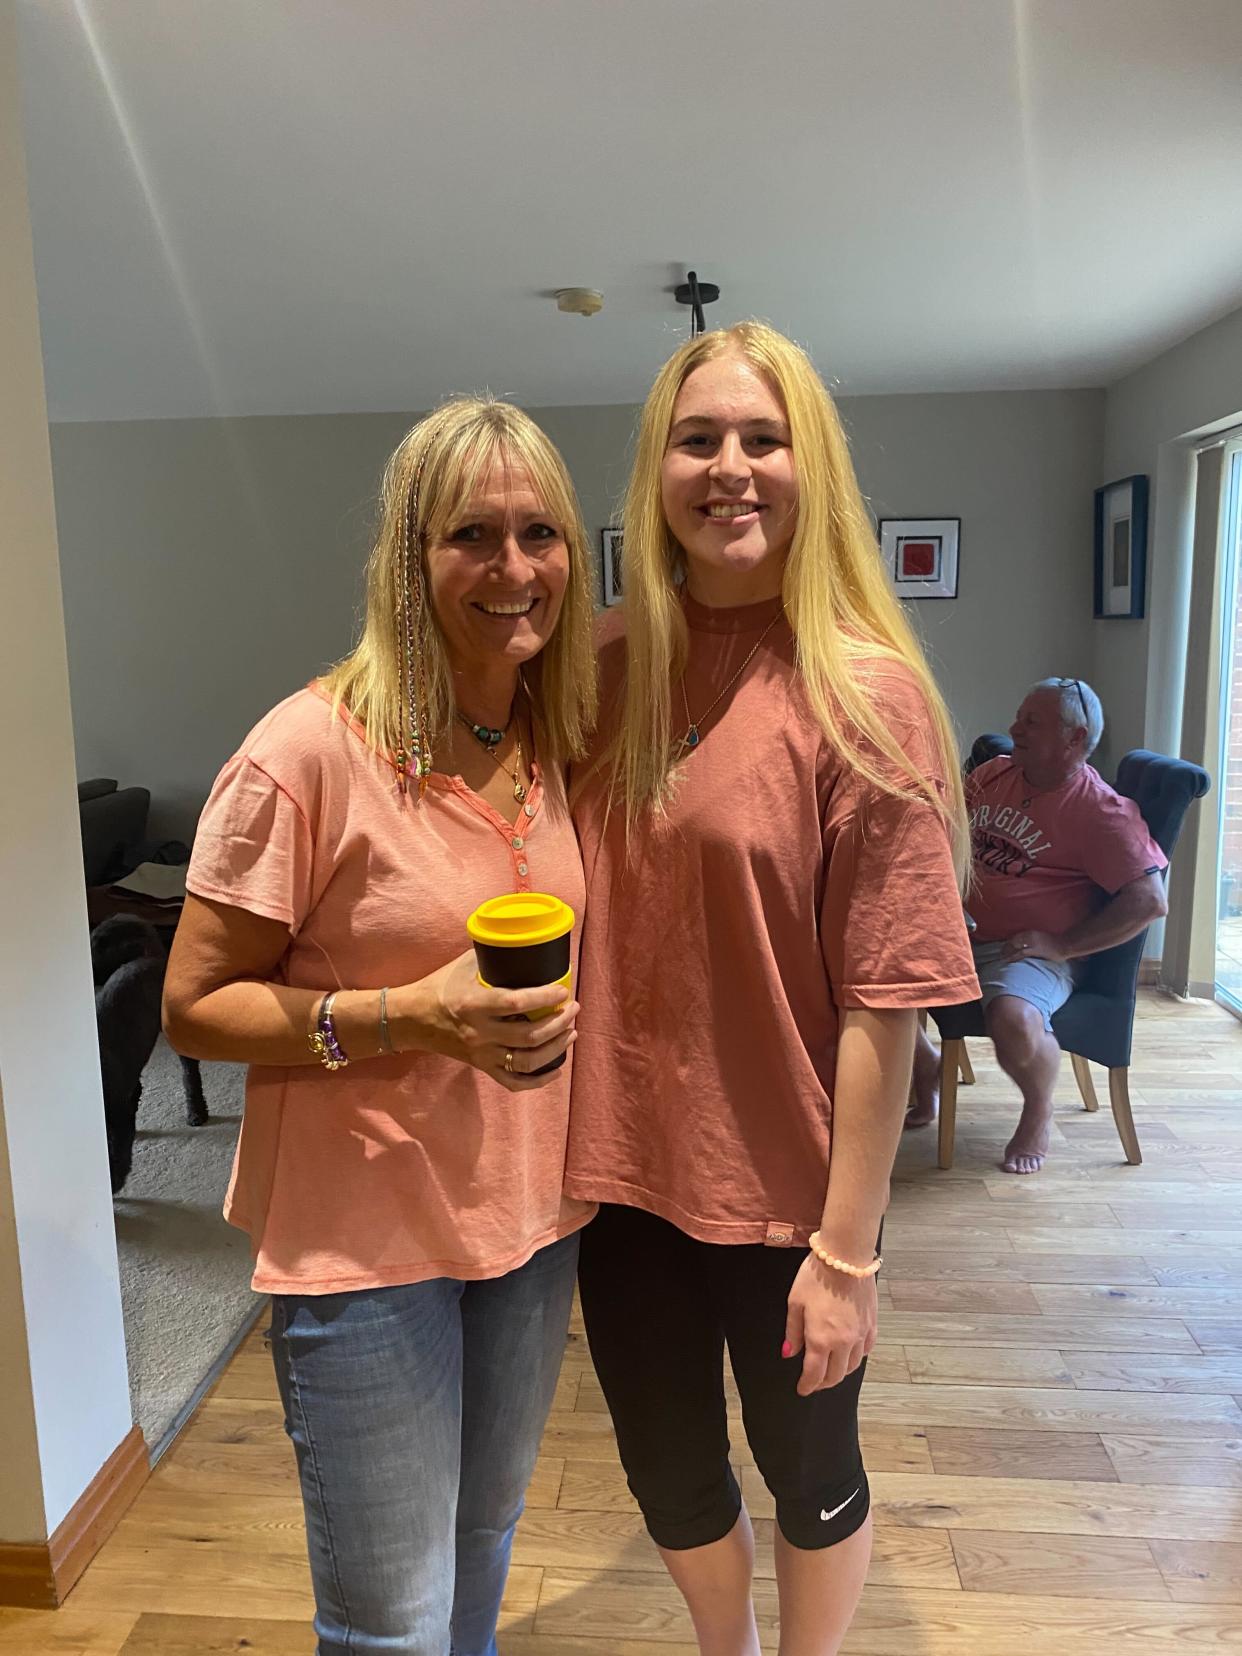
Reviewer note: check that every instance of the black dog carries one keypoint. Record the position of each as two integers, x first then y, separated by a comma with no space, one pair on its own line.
128,962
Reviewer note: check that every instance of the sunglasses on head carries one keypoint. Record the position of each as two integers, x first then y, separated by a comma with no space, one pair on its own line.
1082,700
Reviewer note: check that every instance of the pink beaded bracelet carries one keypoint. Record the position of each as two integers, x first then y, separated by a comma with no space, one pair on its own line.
835,1264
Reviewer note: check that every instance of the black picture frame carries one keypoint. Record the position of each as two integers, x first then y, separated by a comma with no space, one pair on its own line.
610,564
1120,549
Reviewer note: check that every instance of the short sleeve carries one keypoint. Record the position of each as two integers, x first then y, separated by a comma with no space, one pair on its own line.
253,849
1118,848
891,922
892,929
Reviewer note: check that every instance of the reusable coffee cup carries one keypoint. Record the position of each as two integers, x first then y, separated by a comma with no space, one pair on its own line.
521,940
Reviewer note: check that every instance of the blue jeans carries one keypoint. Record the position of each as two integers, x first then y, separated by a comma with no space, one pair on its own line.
416,1413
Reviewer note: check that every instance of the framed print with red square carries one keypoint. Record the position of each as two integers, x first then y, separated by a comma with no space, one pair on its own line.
921,555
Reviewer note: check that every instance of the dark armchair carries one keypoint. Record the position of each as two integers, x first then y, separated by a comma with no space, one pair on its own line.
988,746
1096,1024
114,824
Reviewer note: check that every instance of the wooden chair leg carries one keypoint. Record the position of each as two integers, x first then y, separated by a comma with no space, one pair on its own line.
1086,1086
950,1060
964,1067
1119,1096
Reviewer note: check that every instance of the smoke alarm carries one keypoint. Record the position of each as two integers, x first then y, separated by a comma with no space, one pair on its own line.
579,301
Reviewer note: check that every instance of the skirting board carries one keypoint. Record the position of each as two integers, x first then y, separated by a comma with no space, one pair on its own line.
40,1575
1149,972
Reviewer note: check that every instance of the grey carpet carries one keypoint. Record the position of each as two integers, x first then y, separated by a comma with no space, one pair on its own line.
185,1274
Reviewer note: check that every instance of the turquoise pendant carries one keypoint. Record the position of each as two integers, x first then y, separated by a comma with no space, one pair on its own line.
485,734
691,738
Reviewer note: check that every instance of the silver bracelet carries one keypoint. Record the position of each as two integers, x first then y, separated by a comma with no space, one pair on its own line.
386,1045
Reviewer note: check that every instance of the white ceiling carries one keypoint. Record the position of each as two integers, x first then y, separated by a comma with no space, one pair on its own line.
263,206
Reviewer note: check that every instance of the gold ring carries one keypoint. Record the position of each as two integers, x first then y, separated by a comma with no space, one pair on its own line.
508,1063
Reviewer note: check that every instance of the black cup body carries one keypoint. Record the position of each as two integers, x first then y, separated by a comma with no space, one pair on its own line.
525,967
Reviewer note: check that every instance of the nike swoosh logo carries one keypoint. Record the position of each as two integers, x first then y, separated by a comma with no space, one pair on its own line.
825,1516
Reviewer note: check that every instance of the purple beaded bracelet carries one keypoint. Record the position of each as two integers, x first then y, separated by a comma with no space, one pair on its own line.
324,1044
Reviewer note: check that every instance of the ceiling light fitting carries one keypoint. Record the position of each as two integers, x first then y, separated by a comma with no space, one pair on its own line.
579,301
696,294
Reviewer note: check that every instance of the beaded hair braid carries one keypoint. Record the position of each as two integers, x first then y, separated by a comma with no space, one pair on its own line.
412,696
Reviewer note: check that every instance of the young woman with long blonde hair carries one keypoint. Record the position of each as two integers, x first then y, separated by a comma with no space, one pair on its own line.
402,1151
773,835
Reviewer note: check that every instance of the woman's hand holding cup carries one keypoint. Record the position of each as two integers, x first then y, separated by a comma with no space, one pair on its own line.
452,1013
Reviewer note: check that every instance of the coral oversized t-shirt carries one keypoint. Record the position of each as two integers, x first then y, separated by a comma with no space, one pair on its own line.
718,957
395,1169
1045,861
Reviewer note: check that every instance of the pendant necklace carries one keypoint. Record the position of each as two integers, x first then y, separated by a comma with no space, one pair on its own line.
693,735
489,739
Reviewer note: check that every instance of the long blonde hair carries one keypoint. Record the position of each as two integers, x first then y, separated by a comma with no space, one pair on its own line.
433,472
846,620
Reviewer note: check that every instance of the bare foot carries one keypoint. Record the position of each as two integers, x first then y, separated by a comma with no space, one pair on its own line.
1028,1148
926,1086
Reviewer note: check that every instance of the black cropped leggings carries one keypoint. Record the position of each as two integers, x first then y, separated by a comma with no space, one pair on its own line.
660,1308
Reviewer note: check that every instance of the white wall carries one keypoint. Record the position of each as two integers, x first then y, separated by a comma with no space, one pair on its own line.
1140,666
65,1405
212,566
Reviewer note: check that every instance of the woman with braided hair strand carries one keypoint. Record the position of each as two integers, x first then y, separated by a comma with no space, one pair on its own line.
401,1160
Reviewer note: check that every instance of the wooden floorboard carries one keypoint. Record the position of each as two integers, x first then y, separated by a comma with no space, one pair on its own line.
1052,1421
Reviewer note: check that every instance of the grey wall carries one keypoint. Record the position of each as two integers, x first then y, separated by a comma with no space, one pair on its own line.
1150,421
1019,469
210,567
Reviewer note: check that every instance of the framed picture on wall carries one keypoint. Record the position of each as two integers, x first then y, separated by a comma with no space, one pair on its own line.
921,555
1121,549
610,561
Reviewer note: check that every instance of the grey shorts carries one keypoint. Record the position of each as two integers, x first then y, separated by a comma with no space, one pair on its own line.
1045,984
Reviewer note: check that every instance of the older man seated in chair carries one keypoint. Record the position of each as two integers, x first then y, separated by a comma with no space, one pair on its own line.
1063,867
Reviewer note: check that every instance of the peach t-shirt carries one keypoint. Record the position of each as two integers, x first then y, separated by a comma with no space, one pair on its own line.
395,1169
717,959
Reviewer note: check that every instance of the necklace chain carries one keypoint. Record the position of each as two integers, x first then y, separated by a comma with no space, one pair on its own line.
483,734
693,736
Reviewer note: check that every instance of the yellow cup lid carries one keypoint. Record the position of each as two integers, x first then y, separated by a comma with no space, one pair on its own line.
520,918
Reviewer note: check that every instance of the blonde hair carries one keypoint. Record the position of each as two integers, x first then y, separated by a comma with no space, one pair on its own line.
435,469
846,620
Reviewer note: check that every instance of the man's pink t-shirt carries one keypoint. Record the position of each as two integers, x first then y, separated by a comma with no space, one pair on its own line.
724,942
395,1169
1045,861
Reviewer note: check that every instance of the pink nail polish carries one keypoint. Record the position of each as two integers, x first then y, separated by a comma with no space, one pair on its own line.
786,1349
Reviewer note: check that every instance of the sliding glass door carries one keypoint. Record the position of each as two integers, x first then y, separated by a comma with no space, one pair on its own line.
1229,911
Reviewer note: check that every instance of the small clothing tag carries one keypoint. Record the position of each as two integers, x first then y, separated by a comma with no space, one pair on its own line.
780,1234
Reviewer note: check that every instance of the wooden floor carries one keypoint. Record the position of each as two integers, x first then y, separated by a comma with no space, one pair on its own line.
1052,1425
